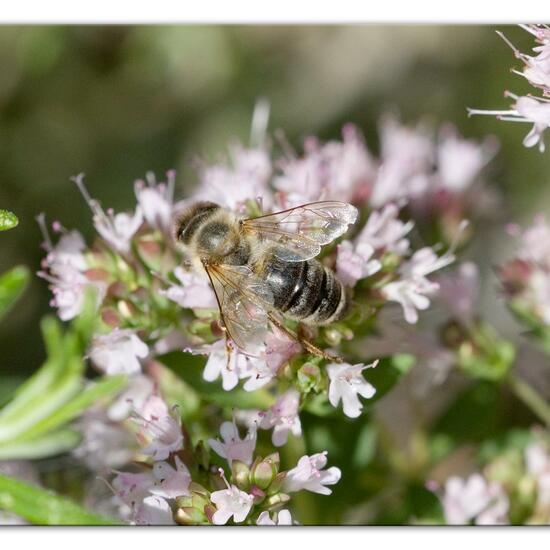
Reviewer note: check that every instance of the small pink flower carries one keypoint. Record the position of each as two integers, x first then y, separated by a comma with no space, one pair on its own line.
193,292
283,418
132,488
282,517
118,352
231,502
346,384
233,447
154,510
158,429
474,500
156,200
170,482
309,475
355,262
279,349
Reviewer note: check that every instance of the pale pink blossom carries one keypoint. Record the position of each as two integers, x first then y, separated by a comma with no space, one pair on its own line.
282,517
535,243
133,398
279,349
245,178
158,429
227,361
283,418
385,231
355,262
154,510
156,200
233,447
132,488
413,289
193,292
407,157
105,444
474,500
118,352
231,502
460,161
347,384
309,475
170,482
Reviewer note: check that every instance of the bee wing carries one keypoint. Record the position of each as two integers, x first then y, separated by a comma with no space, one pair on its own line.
244,301
301,231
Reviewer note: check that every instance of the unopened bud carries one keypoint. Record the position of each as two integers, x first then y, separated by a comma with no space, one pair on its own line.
309,377
276,484
240,475
190,516
277,500
333,337
263,472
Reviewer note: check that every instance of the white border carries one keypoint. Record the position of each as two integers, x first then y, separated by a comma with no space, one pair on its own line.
278,11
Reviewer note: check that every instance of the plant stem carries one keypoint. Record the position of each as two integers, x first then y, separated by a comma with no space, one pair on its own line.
531,397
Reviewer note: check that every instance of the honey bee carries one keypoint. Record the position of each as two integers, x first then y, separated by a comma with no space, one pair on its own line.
264,269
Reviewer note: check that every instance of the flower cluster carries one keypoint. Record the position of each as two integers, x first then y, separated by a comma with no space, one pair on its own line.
514,487
152,306
186,485
536,70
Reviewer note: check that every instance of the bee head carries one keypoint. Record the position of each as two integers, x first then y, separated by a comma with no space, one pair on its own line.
187,222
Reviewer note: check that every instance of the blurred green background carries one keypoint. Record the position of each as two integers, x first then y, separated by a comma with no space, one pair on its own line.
115,102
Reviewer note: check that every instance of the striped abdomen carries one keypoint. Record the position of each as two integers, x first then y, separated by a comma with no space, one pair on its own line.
306,291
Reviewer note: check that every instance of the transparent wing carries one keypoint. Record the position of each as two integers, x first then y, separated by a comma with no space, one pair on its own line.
301,231
243,300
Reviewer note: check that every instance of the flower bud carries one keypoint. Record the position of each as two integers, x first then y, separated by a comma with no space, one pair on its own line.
333,337
309,377
276,484
190,516
240,475
263,472
275,501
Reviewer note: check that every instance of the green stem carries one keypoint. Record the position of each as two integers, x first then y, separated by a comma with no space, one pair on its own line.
531,397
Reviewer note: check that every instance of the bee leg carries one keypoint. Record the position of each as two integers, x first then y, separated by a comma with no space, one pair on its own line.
307,345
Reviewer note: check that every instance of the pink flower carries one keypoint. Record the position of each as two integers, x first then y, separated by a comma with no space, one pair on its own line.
346,384
194,292
118,352
537,459
474,500
133,398
355,262
233,447
309,475
231,502
283,418
246,178
407,159
282,517
279,349
461,160
154,511
158,429
413,289
385,231
233,365
156,200
170,482
132,488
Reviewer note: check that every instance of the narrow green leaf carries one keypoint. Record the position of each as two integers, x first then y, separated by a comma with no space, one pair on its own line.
106,387
43,446
12,285
8,220
43,507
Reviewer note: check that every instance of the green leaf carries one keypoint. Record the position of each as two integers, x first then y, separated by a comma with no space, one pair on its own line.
43,507
12,285
8,220
106,387
189,368
43,446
